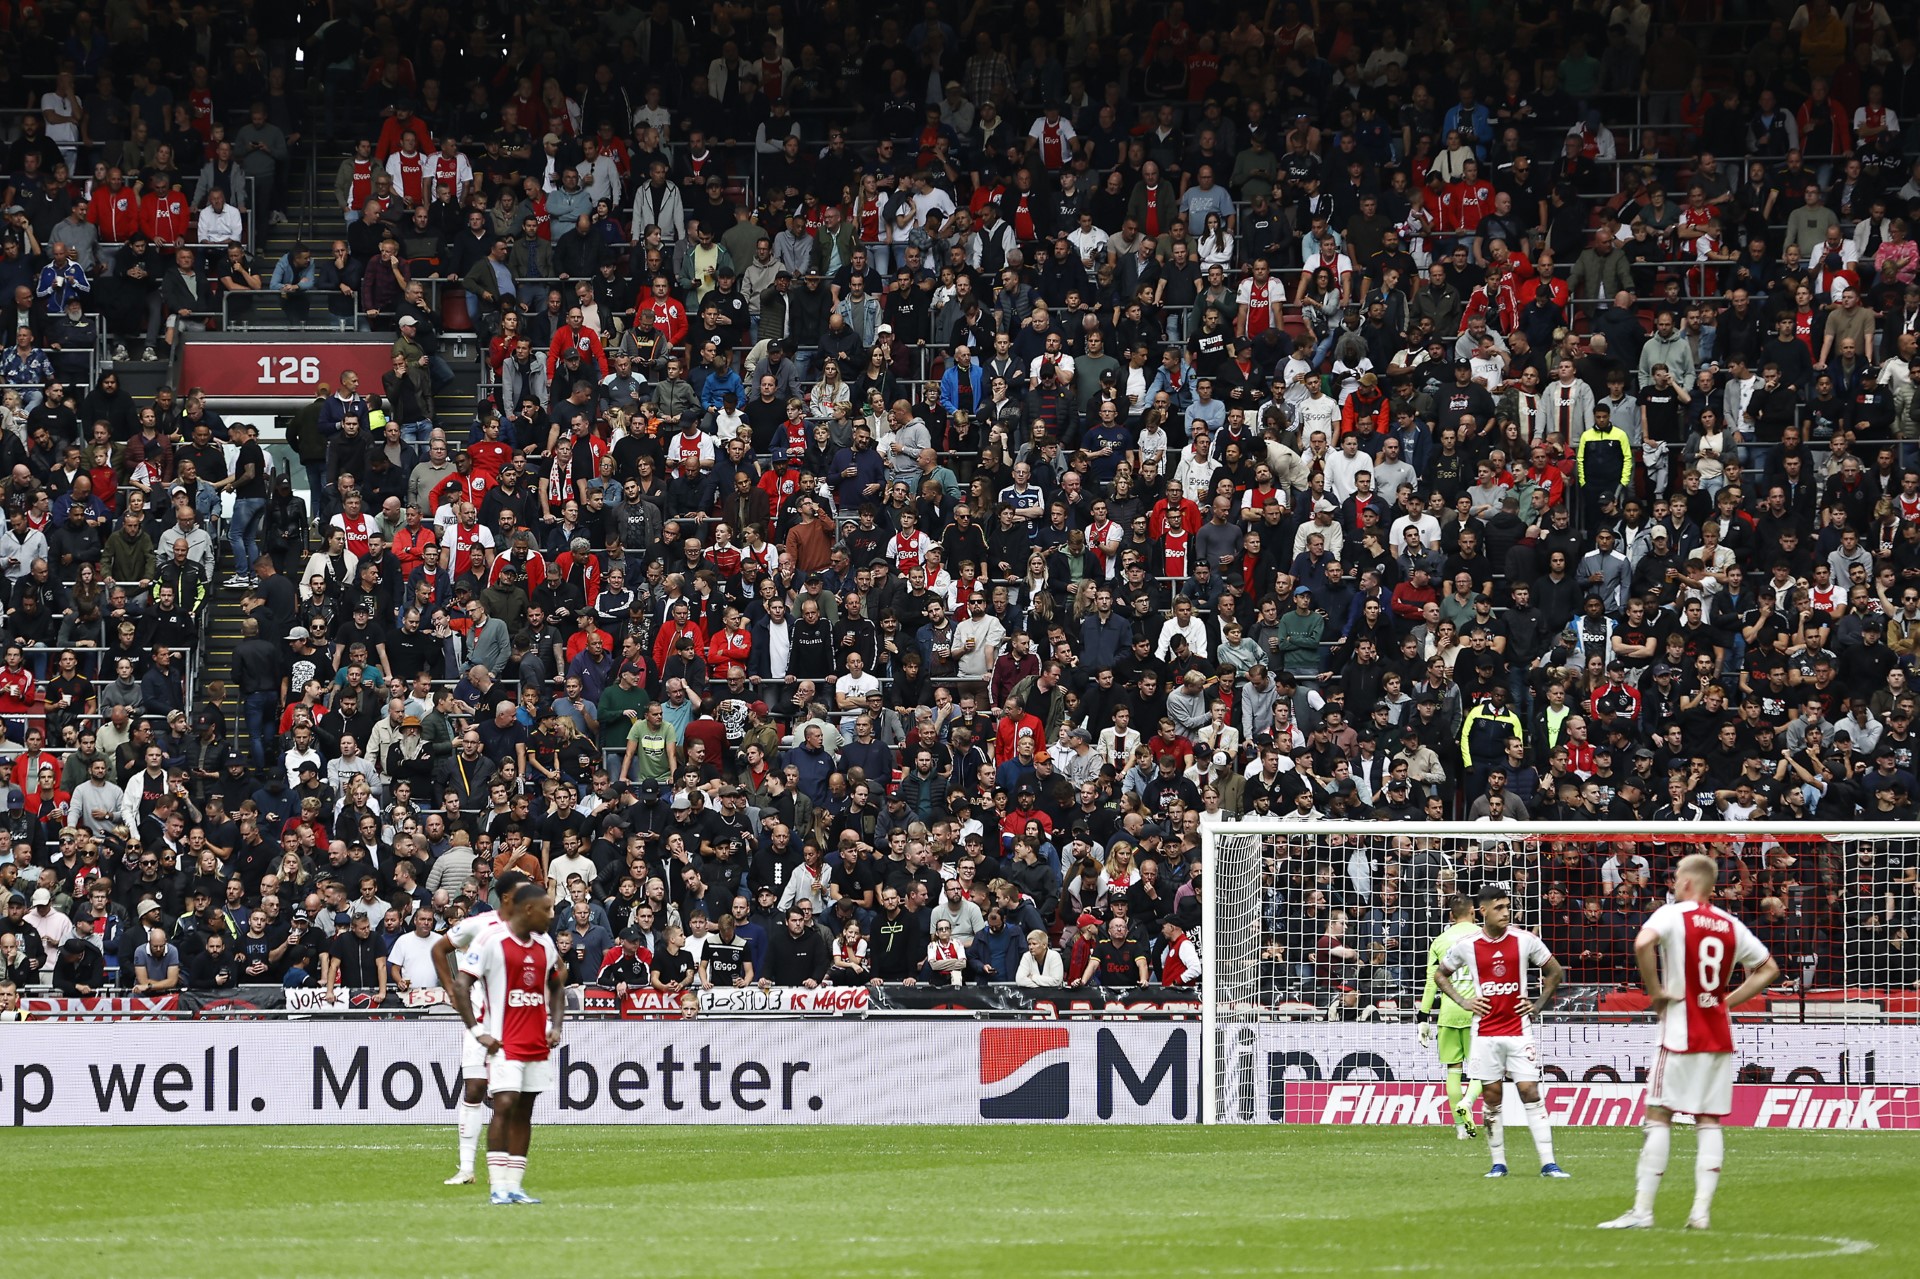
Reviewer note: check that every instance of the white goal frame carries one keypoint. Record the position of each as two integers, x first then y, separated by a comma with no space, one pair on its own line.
1212,828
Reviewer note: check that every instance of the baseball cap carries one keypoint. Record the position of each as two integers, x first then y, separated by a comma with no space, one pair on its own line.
1219,759
299,633
409,319
758,708
630,933
681,803
42,897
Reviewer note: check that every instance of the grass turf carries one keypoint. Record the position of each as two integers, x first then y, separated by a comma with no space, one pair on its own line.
941,1202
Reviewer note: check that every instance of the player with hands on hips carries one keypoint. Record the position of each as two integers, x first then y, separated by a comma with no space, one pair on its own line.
448,950
1500,960
1687,951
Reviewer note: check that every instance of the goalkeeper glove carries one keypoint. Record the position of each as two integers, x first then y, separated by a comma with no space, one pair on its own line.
1426,1029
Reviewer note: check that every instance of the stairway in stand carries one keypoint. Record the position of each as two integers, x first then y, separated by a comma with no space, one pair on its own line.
223,635
454,406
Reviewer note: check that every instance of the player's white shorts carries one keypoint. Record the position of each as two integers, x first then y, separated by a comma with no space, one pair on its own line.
1692,1083
518,1076
1497,1057
473,1057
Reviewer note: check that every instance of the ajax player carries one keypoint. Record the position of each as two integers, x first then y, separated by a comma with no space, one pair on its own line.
457,941
1687,951
525,986
1456,1023
1498,960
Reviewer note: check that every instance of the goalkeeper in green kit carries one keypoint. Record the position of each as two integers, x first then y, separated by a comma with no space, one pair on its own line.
1456,1023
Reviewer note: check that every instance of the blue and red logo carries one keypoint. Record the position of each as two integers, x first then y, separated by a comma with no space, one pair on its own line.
1030,1063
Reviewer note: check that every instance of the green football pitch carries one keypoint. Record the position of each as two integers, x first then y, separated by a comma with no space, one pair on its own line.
940,1202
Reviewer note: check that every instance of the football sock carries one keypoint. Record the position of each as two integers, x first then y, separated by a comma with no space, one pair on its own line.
1473,1092
498,1176
1542,1129
1706,1166
1496,1138
1652,1166
1454,1091
471,1123
516,1171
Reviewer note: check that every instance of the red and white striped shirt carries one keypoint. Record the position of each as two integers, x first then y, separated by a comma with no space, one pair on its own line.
409,173
360,186
1500,971
1700,945
358,530
514,974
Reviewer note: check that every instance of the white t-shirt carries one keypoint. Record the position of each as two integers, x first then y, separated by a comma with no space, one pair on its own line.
1318,413
413,956
860,686
68,132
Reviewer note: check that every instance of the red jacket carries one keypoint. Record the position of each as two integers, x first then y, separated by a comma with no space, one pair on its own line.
727,647
671,631
583,337
115,214
669,316
536,569
390,135
1359,404
563,569
410,546
1008,735
1836,120
470,487
166,218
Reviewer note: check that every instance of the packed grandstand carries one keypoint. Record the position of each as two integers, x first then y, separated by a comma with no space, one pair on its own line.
851,491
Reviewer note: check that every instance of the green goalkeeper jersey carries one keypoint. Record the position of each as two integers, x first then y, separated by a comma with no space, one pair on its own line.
1451,1014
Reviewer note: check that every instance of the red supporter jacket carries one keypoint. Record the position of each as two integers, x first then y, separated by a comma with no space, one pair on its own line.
535,568
587,340
410,547
727,647
116,214
671,631
166,218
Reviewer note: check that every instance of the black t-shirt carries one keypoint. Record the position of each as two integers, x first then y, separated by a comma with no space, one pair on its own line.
670,966
252,455
726,961
1114,962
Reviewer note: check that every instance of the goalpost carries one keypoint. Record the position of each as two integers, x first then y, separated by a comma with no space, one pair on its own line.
1314,936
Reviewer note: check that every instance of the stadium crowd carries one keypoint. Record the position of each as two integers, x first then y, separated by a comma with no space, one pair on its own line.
928,461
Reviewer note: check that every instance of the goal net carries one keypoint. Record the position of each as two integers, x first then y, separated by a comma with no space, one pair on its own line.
1316,936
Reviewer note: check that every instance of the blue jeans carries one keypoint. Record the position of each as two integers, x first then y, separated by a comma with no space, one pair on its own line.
263,718
420,432
246,549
